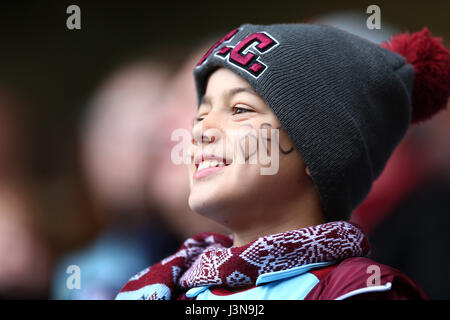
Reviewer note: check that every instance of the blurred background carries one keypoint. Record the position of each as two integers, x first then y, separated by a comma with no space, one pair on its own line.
85,123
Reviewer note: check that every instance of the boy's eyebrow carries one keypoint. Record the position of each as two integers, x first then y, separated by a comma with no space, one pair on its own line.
229,94
234,91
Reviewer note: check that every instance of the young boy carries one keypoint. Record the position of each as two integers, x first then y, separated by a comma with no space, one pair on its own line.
335,106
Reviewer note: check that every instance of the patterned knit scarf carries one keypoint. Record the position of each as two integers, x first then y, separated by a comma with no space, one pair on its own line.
210,259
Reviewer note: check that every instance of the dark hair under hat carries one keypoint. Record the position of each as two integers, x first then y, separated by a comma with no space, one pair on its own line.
345,102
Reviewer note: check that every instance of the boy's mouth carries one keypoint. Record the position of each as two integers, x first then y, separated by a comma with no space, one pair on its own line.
206,164
209,164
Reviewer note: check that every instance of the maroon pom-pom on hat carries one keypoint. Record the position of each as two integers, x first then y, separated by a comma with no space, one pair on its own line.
431,62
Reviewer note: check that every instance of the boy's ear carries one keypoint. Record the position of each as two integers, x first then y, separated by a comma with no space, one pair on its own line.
307,172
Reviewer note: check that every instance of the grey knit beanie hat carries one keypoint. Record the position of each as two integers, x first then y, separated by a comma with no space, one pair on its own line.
345,102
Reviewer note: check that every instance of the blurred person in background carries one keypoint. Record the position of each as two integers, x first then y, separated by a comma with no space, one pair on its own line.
140,195
116,150
25,255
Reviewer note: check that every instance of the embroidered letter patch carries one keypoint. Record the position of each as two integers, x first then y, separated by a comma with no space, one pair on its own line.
243,56
246,53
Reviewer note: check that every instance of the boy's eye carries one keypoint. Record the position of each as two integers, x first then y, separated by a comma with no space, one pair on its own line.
237,109
198,119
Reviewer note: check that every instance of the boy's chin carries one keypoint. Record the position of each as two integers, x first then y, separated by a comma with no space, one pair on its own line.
202,204
211,206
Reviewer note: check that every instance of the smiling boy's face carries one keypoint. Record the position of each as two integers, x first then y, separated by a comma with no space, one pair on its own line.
223,187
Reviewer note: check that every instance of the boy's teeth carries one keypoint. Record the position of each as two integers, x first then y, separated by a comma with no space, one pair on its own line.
214,163
201,166
210,163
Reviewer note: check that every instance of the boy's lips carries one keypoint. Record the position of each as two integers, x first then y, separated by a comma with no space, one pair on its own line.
204,172
206,164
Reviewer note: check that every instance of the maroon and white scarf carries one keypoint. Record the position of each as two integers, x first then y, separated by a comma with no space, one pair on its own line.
210,259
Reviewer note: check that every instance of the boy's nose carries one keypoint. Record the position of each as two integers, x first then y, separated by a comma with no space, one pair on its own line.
207,131
210,135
